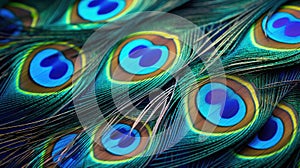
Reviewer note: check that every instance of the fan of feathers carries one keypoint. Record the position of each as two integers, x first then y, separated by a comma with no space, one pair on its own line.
150,83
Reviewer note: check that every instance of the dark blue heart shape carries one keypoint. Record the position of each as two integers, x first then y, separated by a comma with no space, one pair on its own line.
149,56
126,137
229,105
268,130
291,27
59,68
105,6
10,25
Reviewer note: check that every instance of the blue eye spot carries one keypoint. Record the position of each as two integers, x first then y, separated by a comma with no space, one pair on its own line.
282,27
268,130
60,146
121,139
100,10
230,107
220,105
269,135
104,6
149,56
60,68
126,137
10,25
292,28
142,57
50,68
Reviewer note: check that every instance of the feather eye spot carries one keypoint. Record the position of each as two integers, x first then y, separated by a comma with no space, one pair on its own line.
62,144
61,151
15,18
121,141
9,29
283,27
147,57
275,135
144,55
50,68
100,10
269,135
281,30
221,105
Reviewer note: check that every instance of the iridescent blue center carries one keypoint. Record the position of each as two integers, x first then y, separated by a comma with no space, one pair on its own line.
10,25
50,68
121,139
99,10
142,57
282,27
220,105
269,135
60,146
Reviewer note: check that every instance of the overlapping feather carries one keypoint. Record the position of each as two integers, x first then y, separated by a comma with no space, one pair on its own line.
221,47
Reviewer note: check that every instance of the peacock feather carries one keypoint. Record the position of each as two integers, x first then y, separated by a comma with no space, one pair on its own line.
130,83
277,140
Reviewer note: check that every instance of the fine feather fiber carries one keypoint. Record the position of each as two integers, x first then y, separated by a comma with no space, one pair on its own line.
153,83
